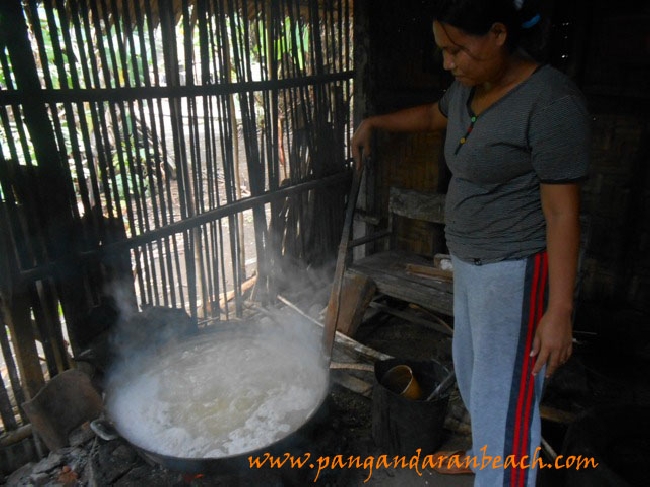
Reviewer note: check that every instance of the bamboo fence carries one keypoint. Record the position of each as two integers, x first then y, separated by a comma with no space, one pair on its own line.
161,153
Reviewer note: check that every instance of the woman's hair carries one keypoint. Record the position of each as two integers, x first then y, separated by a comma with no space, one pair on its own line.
477,17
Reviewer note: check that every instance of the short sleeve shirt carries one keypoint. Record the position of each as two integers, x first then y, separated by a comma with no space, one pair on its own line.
539,132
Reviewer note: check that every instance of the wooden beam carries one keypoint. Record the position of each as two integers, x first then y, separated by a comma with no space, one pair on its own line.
98,95
40,272
16,436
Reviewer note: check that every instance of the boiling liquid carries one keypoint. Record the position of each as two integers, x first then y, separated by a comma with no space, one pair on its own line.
219,397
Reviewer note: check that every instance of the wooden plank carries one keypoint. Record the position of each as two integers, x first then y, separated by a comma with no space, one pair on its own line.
388,270
395,263
421,295
428,206
430,271
356,294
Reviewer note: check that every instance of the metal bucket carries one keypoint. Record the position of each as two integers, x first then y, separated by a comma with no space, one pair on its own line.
401,425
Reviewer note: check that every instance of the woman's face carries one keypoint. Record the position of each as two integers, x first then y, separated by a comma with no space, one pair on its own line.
471,59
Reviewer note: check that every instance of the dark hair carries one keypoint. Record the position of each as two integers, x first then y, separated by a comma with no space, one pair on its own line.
476,17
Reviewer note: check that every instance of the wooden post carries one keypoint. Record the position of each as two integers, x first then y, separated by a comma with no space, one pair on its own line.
57,208
16,317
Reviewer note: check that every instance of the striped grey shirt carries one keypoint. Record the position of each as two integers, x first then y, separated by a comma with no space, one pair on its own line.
539,132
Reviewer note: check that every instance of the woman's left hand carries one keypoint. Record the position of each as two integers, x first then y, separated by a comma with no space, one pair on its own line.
553,342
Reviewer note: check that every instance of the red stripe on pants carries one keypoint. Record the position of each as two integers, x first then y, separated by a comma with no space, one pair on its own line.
527,384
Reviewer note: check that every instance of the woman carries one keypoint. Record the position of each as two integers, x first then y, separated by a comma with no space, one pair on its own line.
517,145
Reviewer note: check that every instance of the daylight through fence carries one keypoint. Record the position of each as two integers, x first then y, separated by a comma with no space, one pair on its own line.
167,153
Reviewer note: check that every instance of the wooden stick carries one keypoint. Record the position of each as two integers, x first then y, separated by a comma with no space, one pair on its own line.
351,366
16,436
433,316
437,324
342,339
231,294
333,308
549,449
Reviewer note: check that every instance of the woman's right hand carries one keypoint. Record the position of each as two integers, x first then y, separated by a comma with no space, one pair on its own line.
361,143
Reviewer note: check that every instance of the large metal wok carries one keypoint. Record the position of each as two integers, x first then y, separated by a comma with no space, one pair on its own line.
208,402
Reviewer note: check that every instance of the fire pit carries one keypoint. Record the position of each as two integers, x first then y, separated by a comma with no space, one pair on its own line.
341,428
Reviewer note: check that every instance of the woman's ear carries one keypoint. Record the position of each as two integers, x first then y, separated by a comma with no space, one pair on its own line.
500,33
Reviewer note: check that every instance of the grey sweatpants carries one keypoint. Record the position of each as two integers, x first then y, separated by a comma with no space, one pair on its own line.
496,309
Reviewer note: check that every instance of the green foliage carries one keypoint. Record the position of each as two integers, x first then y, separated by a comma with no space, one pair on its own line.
60,67
294,42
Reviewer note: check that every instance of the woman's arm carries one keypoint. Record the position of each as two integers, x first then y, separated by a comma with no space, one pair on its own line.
554,336
417,119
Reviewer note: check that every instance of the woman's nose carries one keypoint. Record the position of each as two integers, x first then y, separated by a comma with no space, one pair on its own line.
447,62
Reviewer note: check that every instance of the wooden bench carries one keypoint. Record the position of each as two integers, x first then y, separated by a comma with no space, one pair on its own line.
399,274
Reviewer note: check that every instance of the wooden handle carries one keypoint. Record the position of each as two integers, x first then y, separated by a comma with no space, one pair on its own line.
331,319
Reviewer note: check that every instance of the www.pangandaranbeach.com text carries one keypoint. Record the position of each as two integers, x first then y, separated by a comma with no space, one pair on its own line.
416,462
